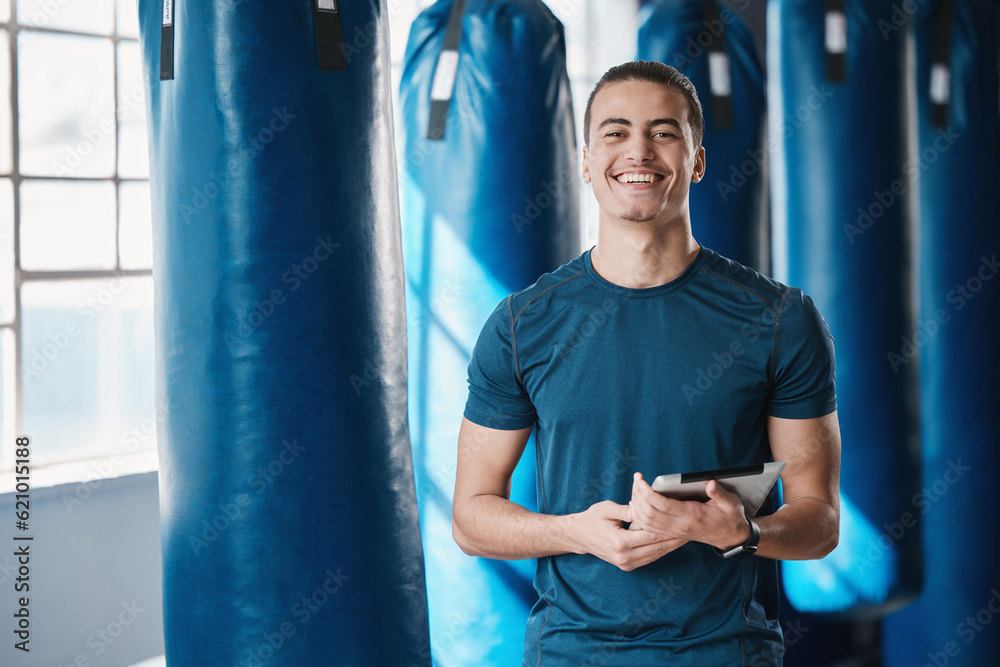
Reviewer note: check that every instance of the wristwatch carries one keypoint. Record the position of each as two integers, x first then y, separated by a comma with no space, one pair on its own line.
748,548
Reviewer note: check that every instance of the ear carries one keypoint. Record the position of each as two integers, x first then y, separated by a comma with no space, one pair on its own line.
586,166
699,165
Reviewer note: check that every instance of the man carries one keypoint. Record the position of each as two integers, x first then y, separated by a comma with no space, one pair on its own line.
647,355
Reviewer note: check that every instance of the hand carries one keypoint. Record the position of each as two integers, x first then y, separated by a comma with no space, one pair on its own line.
720,521
598,531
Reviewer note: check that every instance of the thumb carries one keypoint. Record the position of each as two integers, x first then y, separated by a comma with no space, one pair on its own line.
613,510
721,495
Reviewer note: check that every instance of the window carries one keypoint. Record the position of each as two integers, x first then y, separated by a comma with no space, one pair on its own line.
76,323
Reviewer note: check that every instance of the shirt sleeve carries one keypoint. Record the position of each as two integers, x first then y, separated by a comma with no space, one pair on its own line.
804,367
496,397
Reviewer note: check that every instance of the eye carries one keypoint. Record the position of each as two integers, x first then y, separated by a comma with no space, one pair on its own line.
615,133
665,134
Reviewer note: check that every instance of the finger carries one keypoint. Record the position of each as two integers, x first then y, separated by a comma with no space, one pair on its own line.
639,538
612,510
647,553
721,495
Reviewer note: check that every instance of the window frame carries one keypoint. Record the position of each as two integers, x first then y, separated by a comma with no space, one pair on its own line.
12,331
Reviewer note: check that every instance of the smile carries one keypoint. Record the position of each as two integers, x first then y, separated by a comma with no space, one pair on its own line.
637,177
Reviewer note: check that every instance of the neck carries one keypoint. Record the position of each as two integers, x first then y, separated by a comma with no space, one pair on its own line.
637,255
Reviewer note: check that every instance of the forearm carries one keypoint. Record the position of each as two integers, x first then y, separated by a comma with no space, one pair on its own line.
494,527
802,529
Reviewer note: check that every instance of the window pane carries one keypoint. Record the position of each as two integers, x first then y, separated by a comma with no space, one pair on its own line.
6,251
6,132
87,362
66,105
133,156
128,18
4,10
135,232
67,225
96,16
4,410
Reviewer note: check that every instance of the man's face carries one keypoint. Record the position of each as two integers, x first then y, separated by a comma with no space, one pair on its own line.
641,159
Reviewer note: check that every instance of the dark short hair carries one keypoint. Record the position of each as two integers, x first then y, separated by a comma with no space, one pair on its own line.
654,72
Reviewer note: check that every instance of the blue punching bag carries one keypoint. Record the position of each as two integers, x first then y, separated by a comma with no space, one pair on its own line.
490,201
288,514
843,224
712,46
958,129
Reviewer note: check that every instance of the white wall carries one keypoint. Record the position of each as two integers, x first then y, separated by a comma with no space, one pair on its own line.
95,567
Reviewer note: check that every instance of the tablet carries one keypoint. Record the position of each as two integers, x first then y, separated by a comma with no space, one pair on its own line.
750,483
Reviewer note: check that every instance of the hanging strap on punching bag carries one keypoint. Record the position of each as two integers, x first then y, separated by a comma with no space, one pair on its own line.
940,84
167,41
443,84
720,81
329,35
836,41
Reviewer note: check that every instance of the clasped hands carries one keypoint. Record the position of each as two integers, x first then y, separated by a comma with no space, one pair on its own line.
666,524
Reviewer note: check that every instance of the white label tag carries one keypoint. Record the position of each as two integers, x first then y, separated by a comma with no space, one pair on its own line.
836,32
326,5
444,75
718,73
168,13
940,83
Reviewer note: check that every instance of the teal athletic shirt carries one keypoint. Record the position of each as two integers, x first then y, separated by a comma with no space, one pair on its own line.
674,378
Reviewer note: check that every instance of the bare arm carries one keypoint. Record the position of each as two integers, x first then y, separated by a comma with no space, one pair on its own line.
486,523
806,526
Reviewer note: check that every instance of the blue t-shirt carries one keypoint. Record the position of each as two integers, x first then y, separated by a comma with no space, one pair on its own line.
674,378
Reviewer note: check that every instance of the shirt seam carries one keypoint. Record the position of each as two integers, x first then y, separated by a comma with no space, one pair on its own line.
773,361
514,320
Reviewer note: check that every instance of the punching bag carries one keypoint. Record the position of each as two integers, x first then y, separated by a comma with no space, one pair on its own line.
712,46
288,514
958,130
490,201
841,189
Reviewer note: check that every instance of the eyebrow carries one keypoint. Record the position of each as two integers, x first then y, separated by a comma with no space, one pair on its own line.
653,123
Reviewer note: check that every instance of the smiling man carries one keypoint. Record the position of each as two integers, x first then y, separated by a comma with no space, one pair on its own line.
649,354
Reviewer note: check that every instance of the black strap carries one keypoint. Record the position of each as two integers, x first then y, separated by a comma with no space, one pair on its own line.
720,78
329,35
835,39
167,41
443,82
939,88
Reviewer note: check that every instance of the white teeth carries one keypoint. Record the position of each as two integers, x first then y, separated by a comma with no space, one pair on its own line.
636,178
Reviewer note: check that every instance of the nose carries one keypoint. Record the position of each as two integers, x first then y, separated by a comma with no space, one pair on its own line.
639,148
